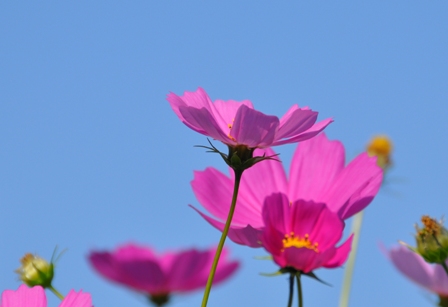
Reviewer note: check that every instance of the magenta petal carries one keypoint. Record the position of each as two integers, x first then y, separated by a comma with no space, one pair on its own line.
350,193
253,128
247,235
24,296
77,299
295,121
308,134
190,269
314,167
262,180
341,255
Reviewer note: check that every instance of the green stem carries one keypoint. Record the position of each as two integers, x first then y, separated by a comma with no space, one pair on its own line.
56,292
208,287
348,275
291,289
299,289
445,267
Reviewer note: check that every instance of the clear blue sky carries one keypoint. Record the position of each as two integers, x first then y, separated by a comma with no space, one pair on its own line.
92,156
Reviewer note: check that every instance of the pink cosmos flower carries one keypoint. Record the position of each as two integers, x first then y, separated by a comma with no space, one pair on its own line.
35,297
303,234
317,174
238,123
158,276
430,276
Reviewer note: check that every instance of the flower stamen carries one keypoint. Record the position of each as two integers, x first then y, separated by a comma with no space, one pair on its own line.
296,241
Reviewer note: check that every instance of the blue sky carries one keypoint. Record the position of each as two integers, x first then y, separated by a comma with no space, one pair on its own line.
92,156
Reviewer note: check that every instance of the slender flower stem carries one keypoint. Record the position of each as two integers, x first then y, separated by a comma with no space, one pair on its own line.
56,292
356,229
445,267
208,287
299,289
291,289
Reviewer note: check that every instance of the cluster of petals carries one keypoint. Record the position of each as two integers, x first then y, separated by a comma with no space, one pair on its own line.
430,276
303,234
317,173
238,123
141,269
35,297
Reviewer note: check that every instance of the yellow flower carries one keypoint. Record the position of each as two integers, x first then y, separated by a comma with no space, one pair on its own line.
35,271
381,147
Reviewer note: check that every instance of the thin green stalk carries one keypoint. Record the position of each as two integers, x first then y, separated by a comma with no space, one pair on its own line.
291,289
356,229
56,292
299,289
445,267
208,287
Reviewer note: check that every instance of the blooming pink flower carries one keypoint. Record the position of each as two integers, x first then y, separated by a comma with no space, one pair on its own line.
35,297
141,269
238,123
430,276
317,174
303,234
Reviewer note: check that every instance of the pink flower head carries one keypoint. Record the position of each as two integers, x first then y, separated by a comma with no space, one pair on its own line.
317,174
35,297
238,123
303,234
139,268
430,276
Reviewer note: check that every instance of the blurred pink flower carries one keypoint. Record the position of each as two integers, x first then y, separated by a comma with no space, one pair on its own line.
140,269
430,276
317,174
303,234
238,123
35,297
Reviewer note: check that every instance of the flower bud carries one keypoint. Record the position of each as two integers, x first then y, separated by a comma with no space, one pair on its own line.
432,240
381,147
35,271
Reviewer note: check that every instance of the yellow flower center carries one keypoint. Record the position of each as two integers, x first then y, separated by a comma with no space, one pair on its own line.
381,147
296,241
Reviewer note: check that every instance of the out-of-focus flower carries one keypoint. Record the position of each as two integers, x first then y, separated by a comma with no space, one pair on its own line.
381,147
432,241
432,277
158,276
317,174
238,123
303,235
36,271
35,297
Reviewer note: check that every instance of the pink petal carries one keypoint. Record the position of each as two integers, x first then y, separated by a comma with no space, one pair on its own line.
202,121
198,99
131,272
77,299
225,112
355,187
308,134
414,267
247,235
253,128
341,255
24,296
214,191
276,218
303,259
191,268
314,167
262,180
295,121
